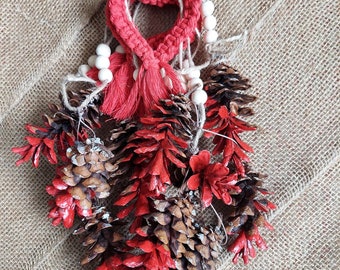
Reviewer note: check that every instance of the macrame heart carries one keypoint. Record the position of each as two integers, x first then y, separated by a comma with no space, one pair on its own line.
149,86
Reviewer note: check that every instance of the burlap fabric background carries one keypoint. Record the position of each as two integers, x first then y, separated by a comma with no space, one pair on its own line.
291,55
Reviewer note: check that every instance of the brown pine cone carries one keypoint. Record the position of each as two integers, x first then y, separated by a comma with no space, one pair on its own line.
178,107
89,171
246,209
225,87
90,115
100,236
192,246
120,135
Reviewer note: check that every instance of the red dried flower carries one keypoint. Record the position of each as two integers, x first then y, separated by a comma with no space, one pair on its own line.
243,245
213,179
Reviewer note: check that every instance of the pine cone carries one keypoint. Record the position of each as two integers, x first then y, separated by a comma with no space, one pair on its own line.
64,120
246,215
192,246
225,86
60,131
120,135
178,107
246,209
78,184
100,237
89,172
117,142
91,113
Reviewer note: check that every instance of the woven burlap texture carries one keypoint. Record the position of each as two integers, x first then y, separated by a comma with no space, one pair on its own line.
289,50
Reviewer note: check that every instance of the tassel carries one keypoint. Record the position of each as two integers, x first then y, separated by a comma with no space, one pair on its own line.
117,91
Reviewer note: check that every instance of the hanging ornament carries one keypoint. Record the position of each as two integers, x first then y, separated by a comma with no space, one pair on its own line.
150,95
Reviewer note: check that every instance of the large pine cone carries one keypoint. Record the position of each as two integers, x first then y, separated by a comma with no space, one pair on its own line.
192,246
89,171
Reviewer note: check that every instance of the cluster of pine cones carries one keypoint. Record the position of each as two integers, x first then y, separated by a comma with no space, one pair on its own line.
135,166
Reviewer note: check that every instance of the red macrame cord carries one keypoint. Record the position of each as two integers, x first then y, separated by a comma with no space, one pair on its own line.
125,97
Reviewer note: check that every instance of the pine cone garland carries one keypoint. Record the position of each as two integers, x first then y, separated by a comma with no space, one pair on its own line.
146,156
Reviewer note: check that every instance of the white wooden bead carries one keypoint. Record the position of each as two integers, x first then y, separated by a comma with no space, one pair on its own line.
210,22
103,50
195,83
210,36
193,74
207,8
83,69
105,75
199,97
92,60
135,74
120,49
102,62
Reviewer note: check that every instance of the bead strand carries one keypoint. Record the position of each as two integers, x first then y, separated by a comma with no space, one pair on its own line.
195,84
209,22
101,61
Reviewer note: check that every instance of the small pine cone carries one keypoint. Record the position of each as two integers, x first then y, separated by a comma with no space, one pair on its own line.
91,113
100,238
89,172
66,120
192,246
225,86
